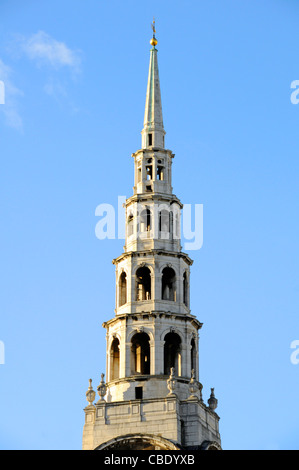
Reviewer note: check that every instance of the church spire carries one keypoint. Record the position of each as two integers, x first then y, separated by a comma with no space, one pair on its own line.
153,131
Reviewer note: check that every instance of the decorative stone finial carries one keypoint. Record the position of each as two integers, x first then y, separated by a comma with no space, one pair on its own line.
193,386
212,401
102,389
171,383
90,394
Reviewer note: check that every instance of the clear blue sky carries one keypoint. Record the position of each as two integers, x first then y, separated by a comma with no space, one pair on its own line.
75,76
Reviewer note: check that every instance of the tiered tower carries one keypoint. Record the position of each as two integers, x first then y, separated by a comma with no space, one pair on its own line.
152,398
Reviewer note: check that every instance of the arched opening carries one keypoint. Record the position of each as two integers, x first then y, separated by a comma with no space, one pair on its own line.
193,357
140,354
139,174
143,284
172,354
139,442
160,173
122,286
130,225
145,220
168,284
176,225
164,221
114,360
185,289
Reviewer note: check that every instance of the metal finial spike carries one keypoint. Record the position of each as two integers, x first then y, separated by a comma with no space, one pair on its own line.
154,41
154,26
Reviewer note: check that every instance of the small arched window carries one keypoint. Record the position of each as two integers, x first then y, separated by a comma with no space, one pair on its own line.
164,221
172,354
168,284
122,285
114,360
130,225
143,284
145,220
140,363
160,173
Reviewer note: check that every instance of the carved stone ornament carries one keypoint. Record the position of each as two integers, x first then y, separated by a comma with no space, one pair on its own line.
102,389
212,401
90,394
195,387
171,383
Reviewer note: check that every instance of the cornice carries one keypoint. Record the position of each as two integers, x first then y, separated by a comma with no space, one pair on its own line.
156,314
154,253
172,198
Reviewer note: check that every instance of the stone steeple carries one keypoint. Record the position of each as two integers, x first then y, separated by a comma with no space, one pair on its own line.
152,397
153,131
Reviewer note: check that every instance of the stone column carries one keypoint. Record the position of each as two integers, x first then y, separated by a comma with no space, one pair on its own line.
122,351
180,287
127,365
185,362
159,359
152,357
158,286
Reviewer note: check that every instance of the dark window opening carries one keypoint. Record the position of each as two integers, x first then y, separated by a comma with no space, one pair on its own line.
122,289
138,393
130,225
149,172
145,220
114,361
143,284
168,284
160,173
172,354
150,139
164,221
141,354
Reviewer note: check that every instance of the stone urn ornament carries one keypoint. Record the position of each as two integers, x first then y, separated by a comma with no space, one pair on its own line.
90,394
212,401
102,389
194,386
